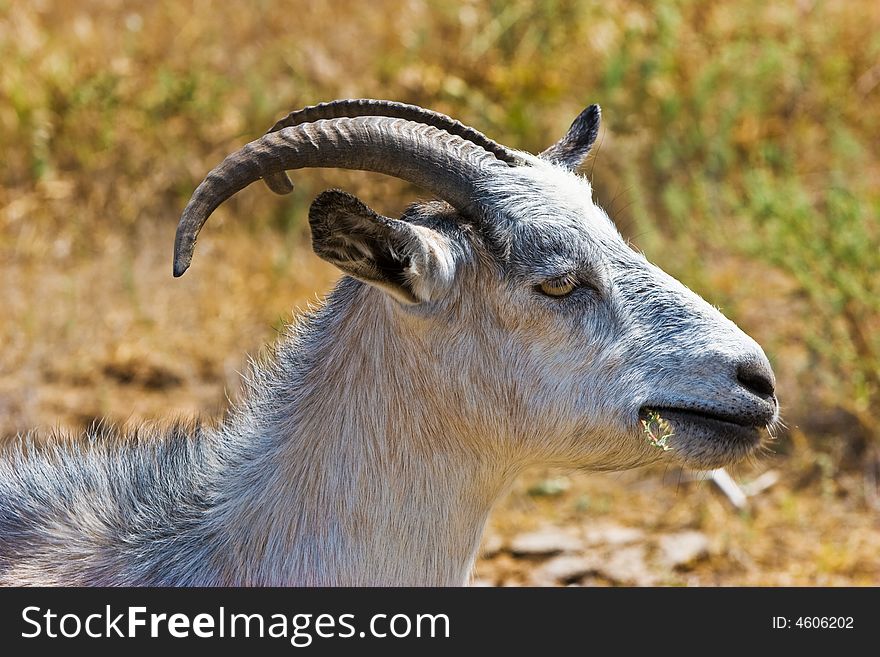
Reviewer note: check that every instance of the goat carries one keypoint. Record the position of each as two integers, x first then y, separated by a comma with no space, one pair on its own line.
505,325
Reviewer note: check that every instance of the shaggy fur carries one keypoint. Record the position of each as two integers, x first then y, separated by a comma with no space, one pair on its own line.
370,446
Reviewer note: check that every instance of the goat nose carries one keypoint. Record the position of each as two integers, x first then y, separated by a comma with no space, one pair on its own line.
754,374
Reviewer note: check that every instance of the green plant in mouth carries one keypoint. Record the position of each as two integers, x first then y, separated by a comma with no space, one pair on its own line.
657,430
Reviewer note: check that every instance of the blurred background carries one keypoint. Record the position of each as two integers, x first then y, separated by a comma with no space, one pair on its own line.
739,150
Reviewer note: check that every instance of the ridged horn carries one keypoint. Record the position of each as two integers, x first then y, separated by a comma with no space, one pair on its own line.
434,159
280,183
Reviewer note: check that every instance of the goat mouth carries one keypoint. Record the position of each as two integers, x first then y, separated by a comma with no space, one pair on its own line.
701,438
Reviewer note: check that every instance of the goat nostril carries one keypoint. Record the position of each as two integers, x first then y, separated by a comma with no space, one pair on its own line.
756,378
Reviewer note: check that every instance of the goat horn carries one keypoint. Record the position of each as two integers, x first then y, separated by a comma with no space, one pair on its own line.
280,183
440,162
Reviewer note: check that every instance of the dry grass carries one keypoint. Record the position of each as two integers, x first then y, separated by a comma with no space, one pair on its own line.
739,152
805,531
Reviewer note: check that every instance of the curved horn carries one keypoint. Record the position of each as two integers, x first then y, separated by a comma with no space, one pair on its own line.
438,161
280,183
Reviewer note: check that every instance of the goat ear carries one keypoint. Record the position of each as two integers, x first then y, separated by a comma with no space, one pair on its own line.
571,151
412,263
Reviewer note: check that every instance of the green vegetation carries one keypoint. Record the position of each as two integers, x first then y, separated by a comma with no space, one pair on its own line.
657,431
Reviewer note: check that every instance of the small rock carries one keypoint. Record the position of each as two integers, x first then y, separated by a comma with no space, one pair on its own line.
544,542
628,566
491,545
681,549
563,569
612,535
550,487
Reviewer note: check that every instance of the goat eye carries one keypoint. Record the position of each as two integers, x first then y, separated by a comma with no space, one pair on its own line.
558,287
